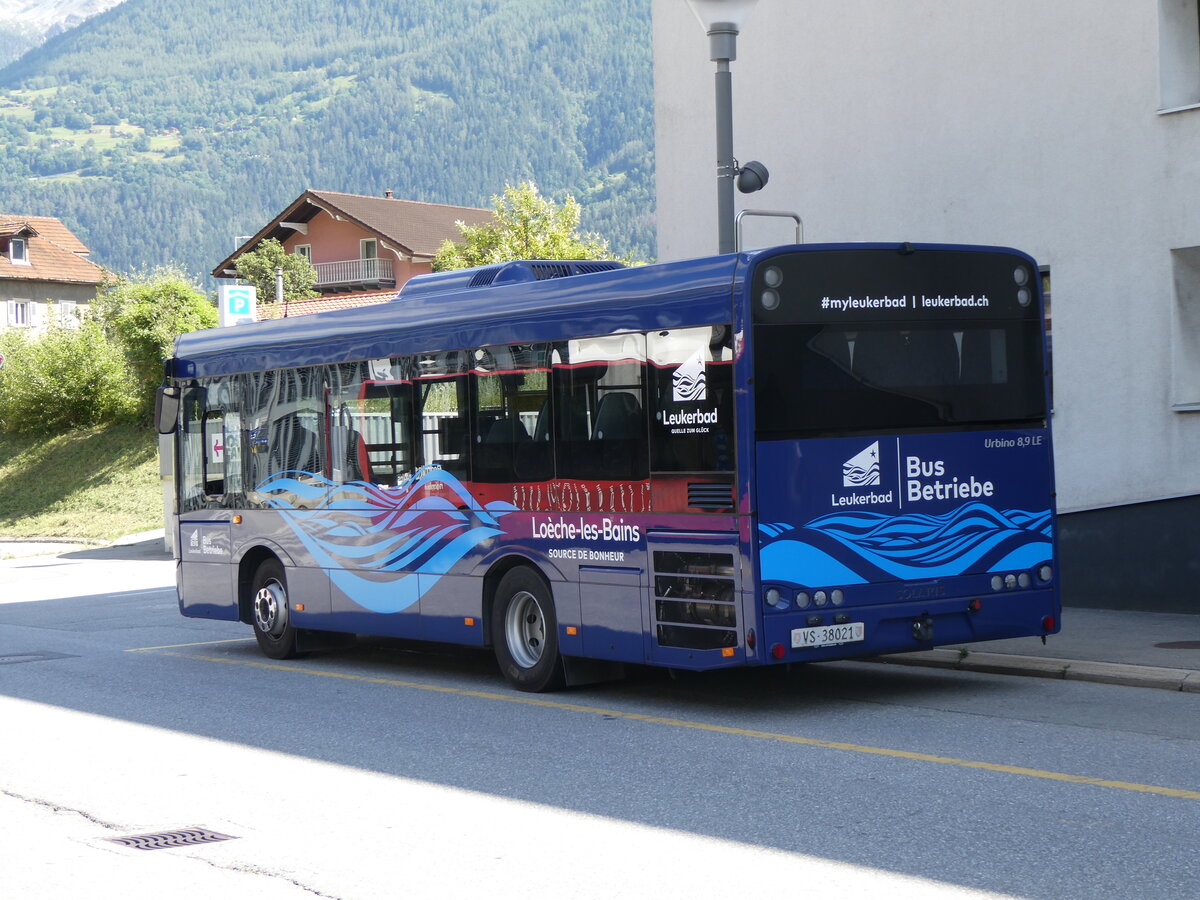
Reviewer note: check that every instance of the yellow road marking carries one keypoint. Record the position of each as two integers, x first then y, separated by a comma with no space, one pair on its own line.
671,722
196,644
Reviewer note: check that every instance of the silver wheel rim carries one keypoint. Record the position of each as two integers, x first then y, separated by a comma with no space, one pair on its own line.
270,609
525,630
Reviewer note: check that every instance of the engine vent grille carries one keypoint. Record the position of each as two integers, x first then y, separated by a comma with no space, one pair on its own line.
710,496
694,604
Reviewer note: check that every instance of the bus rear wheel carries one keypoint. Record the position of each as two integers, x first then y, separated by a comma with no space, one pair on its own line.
270,612
525,632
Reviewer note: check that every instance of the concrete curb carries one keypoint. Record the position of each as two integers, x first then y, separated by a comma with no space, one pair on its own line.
1185,680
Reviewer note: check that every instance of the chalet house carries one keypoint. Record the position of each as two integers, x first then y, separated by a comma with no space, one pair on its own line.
45,275
363,248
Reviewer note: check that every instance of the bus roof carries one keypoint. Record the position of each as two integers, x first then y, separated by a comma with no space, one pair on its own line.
500,305
664,295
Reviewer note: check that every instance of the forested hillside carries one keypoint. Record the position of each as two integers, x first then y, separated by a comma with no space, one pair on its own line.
164,128
14,40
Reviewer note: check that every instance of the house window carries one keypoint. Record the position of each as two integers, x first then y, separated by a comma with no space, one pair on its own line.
1178,54
18,251
19,313
368,249
304,250
67,316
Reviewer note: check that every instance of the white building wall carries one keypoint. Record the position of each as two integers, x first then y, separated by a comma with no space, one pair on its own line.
1014,122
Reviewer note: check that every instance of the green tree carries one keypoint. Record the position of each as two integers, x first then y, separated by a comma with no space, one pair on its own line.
258,268
525,225
143,315
65,379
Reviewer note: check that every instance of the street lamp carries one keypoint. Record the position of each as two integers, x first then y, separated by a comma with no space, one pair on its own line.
722,20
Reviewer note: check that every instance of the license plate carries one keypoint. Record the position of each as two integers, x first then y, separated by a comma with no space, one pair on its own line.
828,635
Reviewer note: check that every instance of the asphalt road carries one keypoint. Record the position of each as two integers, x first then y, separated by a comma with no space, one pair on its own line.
392,770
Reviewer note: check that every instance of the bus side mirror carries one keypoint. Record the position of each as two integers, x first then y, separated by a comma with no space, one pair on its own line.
166,409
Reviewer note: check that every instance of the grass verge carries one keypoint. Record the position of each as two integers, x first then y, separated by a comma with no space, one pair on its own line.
96,484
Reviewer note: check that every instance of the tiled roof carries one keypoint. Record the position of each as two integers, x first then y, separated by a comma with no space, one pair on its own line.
54,253
12,229
323,304
415,229
419,227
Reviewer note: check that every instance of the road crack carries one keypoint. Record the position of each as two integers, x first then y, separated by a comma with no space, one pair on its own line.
59,808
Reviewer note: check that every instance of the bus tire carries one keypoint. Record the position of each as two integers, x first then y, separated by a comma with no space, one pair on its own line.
525,632
270,612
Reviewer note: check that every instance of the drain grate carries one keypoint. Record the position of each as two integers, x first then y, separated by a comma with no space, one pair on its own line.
160,840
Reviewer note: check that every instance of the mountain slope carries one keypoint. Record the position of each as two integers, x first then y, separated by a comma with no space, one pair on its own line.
26,23
162,130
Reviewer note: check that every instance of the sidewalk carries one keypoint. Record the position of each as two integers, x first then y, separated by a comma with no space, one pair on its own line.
147,544
1139,649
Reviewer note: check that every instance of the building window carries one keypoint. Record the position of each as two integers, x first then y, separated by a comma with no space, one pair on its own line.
19,313
1185,331
304,250
1178,54
368,249
18,251
67,316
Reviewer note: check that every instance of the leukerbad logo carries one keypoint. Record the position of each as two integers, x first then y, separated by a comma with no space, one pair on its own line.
862,469
689,381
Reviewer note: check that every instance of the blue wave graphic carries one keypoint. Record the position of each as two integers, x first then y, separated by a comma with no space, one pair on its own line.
374,539
688,387
860,547
856,476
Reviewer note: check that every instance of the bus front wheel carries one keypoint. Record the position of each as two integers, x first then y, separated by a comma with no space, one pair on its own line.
270,612
525,632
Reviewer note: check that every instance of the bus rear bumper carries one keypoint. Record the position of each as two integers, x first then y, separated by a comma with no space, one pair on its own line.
812,635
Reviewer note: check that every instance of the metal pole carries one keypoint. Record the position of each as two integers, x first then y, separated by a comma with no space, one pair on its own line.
725,163
722,39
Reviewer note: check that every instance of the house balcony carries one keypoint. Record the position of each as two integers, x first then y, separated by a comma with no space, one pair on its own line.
354,274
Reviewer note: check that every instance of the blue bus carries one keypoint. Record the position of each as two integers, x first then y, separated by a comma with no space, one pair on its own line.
802,453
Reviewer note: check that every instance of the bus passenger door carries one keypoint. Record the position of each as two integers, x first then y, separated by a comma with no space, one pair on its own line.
206,587
210,477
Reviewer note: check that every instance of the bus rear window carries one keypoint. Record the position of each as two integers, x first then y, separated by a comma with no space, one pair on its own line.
814,380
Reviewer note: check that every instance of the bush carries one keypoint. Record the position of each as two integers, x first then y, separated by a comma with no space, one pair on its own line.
66,378
143,316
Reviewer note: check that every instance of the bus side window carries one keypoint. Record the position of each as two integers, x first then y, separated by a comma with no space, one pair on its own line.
371,422
214,452
191,451
210,448
600,409
440,385
691,371
284,421
512,413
